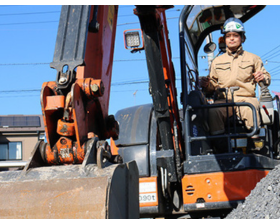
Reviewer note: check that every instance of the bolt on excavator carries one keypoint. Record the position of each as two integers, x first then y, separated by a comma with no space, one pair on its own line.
160,161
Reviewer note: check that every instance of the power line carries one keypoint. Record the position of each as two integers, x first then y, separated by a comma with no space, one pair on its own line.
19,96
28,13
124,60
275,73
113,84
35,63
22,90
46,63
172,10
273,55
129,83
274,68
270,51
272,61
36,95
123,24
38,90
48,12
25,23
129,90
9,24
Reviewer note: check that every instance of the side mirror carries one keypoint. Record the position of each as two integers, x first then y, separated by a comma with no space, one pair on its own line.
210,48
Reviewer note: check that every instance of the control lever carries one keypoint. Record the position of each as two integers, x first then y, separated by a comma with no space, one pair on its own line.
232,89
222,89
265,95
266,103
265,110
225,90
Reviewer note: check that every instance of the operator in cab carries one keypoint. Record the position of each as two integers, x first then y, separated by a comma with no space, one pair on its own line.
235,67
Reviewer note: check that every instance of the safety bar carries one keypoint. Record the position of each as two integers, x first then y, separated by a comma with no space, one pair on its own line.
276,98
250,134
190,139
275,145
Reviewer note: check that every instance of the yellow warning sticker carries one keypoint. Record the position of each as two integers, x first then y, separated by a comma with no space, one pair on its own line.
110,15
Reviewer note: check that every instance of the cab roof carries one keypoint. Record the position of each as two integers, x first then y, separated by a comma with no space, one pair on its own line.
200,20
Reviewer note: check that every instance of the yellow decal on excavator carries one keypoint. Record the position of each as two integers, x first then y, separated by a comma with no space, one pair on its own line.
110,15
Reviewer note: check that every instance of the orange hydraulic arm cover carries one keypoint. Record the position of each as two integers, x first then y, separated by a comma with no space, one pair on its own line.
161,73
75,106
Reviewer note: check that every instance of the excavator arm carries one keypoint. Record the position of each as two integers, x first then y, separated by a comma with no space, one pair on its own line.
75,106
162,81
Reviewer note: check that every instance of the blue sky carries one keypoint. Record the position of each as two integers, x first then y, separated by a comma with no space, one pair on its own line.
27,41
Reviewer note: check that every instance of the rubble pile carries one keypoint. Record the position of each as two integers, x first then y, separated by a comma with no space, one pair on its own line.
264,200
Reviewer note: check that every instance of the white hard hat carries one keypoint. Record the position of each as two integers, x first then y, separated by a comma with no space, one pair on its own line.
233,25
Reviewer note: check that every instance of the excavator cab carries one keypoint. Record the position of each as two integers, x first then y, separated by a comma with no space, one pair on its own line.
202,25
187,177
220,181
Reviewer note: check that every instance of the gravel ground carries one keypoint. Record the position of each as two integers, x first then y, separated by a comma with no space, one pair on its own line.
264,200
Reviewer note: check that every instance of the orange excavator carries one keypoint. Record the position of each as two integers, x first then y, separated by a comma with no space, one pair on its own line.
160,161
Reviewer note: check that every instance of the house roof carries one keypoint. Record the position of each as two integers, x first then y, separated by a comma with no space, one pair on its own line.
22,123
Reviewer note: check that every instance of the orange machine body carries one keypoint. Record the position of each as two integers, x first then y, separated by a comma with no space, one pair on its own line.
220,187
169,76
148,192
158,14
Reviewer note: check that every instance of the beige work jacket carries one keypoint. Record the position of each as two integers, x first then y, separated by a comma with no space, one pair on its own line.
236,70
